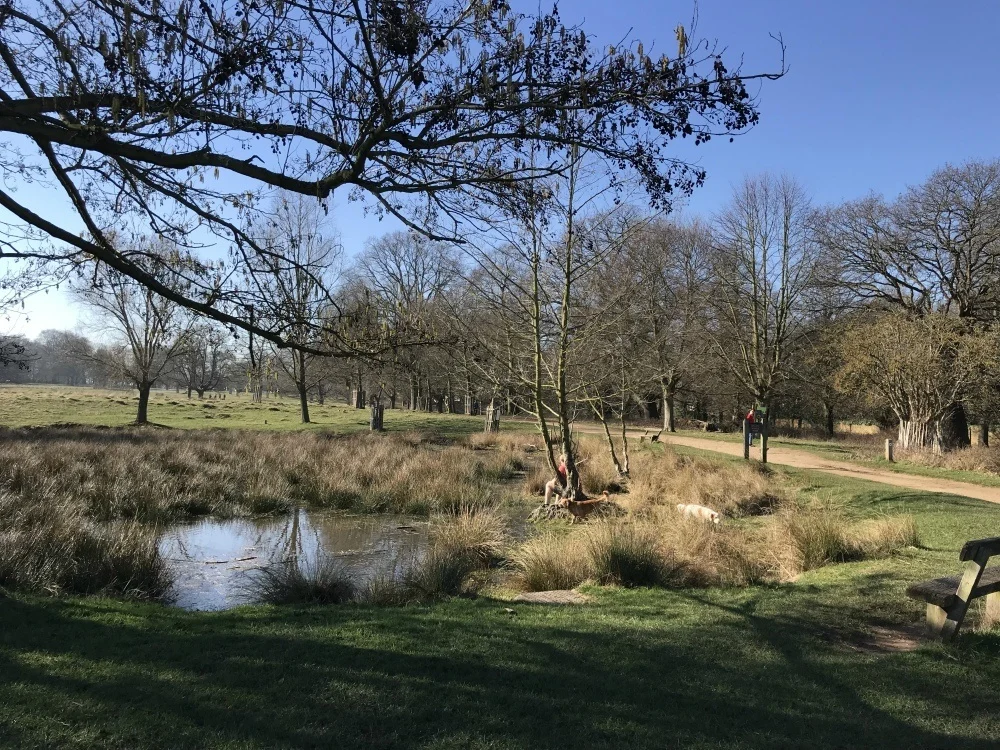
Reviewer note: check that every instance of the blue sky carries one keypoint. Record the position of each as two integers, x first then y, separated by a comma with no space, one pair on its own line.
878,94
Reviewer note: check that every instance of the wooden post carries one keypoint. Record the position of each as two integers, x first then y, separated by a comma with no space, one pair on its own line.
377,417
746,440
763,440
888,450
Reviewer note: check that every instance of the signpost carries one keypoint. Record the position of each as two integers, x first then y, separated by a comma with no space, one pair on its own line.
756,428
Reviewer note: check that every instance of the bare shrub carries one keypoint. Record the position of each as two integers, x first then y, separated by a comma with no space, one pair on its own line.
976,458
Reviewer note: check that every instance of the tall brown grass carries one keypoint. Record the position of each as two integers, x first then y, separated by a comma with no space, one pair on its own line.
677,552
157,476
662,480
54,549
976,458
480,533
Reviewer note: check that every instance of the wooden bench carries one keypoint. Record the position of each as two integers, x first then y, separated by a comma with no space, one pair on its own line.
948,598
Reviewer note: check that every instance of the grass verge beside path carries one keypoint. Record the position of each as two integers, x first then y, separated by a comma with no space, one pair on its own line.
859,454
766,666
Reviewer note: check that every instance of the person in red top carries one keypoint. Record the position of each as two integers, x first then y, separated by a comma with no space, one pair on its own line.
560,479
750,420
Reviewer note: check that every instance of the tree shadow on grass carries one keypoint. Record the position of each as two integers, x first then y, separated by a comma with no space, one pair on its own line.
461,675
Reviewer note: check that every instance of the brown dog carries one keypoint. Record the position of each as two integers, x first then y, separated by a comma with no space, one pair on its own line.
583,508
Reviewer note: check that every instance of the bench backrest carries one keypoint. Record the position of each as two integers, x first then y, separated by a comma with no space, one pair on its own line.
985,547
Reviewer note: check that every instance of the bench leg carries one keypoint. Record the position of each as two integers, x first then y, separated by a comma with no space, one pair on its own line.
944,623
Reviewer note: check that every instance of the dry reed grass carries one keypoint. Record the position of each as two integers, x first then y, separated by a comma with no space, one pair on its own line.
662,480
480,533
976,458
158,476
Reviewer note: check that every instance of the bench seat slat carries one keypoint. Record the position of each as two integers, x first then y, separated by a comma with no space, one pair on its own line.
941,591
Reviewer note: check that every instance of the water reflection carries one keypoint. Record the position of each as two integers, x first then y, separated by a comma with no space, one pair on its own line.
212,561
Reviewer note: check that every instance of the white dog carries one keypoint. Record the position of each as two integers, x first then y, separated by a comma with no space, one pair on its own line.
700,512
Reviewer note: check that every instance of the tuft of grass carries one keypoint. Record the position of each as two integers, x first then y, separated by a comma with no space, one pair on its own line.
480,533
661,480
631,554
326,581
550,562
440,574
813,538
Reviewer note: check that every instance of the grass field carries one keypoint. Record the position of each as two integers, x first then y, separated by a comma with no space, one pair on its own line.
33,406
808,663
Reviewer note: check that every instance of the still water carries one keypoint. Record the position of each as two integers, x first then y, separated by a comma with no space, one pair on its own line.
214,561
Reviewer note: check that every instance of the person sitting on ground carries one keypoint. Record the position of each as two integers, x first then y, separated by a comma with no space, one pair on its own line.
559,482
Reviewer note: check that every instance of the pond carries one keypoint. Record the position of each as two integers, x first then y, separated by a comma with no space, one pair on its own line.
213,561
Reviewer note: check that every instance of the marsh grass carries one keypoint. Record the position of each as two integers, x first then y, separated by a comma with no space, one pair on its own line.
160,476
325,580
550,562
631,554
70,555
809,539
480,533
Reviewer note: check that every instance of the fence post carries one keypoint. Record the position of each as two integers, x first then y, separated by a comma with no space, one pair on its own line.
746,440
888,450
763,440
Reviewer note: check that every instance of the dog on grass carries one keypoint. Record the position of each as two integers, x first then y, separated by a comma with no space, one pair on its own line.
700,512
583,508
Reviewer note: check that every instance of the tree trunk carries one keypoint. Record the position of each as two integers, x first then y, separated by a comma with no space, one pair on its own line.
915,434
143,415
200,392
984,434
303,401
669,409
414,392
954,428
189,391
828,417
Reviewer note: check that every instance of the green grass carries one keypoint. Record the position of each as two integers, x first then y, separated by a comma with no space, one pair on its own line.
31,406
768,667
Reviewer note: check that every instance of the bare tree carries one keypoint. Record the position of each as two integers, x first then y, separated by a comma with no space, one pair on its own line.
534,278
150,331
295,283
668,266
173,116
206,359
764,261
918,365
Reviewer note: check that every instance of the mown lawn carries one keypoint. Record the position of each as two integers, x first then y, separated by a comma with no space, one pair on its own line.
30,406
739,668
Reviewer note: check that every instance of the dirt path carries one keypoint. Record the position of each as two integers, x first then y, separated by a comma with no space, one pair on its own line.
806,460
